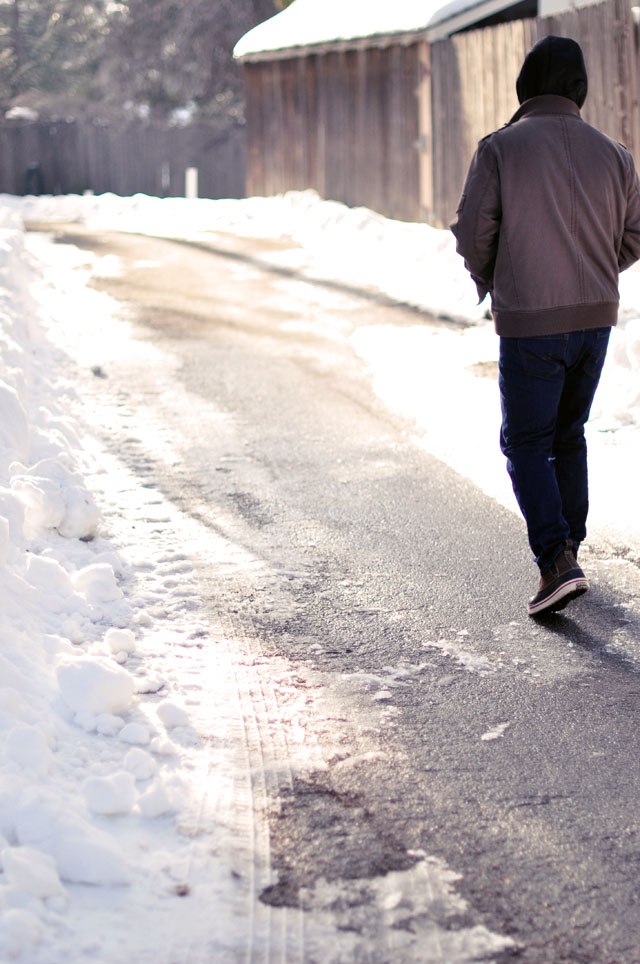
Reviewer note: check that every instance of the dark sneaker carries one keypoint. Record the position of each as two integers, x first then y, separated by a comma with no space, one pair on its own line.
562,583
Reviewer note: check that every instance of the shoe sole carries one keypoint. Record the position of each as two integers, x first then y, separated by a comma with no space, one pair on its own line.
563,595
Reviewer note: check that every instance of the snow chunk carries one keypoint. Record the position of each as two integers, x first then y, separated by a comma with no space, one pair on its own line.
156,801
54,497
83,853
94,686
31,871
108,725
20,929
4,540
135,733
97,583
163,746
73,631
13,708
12,509
87,721
48,575
149,684
140,763
81,516
27,746
43,502
172,715
110,795
14,425
114,559
120,641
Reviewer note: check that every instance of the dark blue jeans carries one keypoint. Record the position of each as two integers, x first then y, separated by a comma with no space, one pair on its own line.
547,384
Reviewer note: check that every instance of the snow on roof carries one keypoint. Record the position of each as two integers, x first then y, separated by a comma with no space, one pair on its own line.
308,23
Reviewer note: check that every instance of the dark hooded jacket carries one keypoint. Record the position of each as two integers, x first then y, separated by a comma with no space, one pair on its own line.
550,212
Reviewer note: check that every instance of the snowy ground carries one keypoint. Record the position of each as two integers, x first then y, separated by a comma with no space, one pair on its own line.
124,825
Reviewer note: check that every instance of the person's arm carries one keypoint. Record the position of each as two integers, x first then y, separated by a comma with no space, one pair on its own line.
630,245
479,214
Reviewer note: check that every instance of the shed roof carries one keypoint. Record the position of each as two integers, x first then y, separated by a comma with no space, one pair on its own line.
314,24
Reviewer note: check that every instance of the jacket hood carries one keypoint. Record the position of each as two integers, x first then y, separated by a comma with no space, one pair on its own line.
554,65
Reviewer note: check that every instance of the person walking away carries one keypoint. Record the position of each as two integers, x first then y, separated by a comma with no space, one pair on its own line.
549,216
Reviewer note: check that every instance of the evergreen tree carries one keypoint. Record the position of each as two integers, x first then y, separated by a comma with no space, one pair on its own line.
169,54
49,45
152,57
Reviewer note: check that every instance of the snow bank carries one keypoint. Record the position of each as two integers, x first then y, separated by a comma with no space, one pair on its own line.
88,773
48,519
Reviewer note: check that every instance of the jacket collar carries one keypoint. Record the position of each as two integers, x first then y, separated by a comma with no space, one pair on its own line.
546,104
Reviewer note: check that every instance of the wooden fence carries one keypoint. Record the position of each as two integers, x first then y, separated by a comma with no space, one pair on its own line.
473,78
342,122
70,157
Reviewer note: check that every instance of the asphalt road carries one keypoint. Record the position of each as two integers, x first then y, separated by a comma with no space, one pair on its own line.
402,586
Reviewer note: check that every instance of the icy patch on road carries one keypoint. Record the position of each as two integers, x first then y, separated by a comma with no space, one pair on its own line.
399,917
471,661
382,685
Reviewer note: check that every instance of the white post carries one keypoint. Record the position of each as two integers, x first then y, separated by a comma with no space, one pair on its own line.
191,182
165,177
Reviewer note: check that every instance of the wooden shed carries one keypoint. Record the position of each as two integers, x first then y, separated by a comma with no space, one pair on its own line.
339,98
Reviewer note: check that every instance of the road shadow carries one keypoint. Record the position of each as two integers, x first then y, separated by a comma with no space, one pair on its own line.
605,615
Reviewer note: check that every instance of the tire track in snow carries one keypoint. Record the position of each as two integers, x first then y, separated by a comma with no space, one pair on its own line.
261,752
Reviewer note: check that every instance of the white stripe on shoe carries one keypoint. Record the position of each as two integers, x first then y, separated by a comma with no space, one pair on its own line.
560,597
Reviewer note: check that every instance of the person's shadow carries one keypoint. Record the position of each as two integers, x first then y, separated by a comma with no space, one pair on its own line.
604,616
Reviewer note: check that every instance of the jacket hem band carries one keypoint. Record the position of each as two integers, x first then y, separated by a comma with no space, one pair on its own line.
554,321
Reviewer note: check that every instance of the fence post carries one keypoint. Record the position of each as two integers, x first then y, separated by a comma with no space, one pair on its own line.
627,66
191,183
425,132
623,93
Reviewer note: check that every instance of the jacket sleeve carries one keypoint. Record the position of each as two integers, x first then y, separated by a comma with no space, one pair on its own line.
629,251
477,225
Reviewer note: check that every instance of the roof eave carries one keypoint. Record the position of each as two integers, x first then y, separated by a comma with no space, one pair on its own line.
336,46
466,18
437,31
